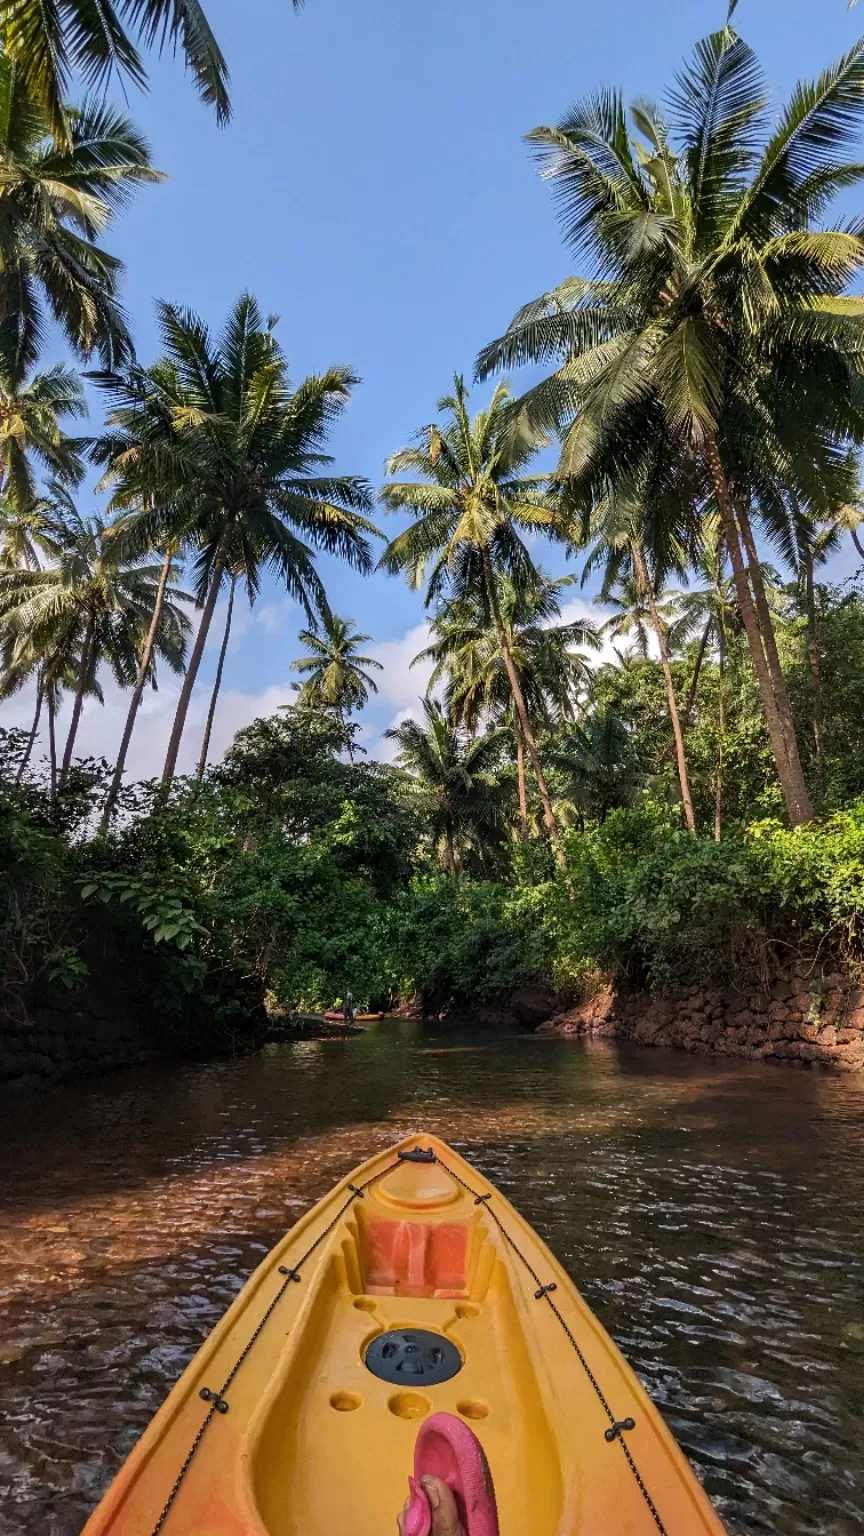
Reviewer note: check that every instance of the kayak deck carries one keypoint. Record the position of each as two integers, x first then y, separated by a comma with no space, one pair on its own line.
300,1438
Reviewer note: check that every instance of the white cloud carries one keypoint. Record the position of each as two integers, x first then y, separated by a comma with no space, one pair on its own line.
101,727
385,750
401,689
578,608
271,617
400,684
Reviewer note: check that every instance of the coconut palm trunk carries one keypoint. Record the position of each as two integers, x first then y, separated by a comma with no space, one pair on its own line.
205,745
521,711
83,673
520,779
52,743
195,660
137,693
719,767
772,656
697,669
343,721
452,862
815,659
857,542
798,807
671,699
34,731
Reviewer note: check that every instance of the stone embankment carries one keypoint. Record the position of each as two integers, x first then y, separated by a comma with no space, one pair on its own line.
803,1018
55,1043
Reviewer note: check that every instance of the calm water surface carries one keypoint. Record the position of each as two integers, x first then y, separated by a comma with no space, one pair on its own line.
711,1212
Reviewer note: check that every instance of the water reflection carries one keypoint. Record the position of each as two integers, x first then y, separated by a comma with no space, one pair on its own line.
710,1211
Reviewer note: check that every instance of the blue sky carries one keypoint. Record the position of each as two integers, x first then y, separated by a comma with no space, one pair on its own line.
374,190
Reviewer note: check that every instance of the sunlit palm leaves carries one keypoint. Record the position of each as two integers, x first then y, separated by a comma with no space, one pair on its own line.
55,205
336,674
50,41
90,603
212,446
473,508
712,330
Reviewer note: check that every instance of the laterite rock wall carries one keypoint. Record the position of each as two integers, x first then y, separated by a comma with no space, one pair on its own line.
805,1017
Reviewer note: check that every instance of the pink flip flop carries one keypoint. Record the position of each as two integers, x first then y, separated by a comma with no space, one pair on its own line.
448,1449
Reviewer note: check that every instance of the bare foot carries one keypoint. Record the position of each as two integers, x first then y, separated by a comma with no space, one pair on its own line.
445,1520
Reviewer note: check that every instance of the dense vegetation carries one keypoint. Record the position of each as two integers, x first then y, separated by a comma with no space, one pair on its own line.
692,806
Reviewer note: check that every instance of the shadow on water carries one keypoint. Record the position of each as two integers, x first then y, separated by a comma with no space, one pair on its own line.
710,1211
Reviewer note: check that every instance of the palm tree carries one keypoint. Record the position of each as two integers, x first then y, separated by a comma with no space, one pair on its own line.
711,611
600,764
453,776
92,603
211,445
551,671
167,575
56,204
27,534
617,529
472,507
715,320
48,44
217,684
335,676
55,672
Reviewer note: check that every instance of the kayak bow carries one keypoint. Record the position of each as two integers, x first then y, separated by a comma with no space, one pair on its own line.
412,1289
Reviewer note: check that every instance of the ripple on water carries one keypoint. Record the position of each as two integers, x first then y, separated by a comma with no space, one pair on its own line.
711,1213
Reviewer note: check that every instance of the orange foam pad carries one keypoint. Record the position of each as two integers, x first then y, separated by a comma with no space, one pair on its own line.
412,1258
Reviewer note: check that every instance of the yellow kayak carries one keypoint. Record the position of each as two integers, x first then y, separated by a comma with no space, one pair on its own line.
413,1289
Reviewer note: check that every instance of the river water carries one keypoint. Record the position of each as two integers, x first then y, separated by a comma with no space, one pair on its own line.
710,1211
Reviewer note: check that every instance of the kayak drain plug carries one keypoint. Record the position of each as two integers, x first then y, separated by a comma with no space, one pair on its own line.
413,1354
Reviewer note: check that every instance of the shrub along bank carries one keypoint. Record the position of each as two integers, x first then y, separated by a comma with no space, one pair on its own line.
289,875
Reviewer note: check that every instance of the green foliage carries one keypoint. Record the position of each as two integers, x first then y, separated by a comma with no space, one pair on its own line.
163,912
272,878
657,905
468,939
644,900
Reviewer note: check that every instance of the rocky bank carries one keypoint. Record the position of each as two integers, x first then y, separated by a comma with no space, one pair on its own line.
803,1018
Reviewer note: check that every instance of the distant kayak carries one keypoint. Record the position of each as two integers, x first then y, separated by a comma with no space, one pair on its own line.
336,1016
412,1298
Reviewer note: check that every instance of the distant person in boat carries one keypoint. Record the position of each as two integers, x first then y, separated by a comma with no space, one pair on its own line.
445,1517
348,1008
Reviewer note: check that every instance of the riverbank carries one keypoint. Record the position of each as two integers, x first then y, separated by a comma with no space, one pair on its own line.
803,1018
800,1019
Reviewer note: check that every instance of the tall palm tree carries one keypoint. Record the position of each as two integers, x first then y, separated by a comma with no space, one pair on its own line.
473,505
714,317
710,609
617,530
217,683
56,203
468,657
56,672
212,445
91,603
27,535
454,777
51,43
167,576
335,672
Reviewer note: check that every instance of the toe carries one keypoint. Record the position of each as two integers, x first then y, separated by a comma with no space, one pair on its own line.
445,1517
